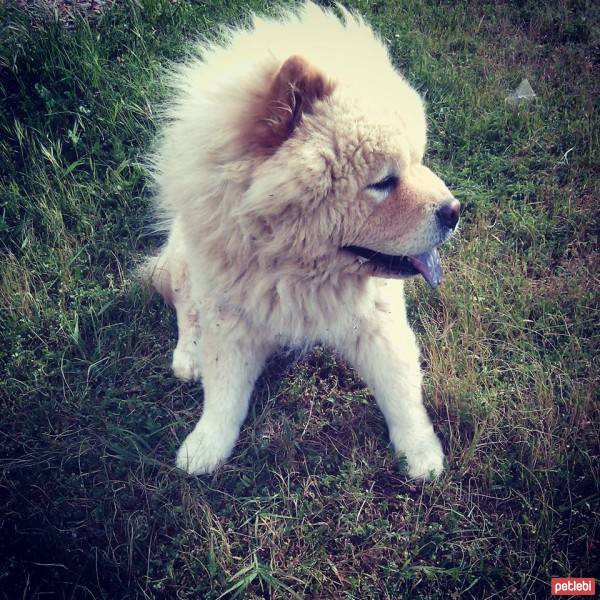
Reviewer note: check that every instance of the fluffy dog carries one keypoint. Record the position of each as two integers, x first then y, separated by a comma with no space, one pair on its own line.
290,177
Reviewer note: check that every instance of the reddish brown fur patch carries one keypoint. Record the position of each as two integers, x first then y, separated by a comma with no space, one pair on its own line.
275,114
405,210
399,215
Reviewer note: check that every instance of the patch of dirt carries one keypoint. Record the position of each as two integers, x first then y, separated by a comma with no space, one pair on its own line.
573,277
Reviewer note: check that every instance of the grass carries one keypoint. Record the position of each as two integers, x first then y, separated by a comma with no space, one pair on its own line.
313,504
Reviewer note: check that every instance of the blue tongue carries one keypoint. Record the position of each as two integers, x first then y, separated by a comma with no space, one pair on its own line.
428,264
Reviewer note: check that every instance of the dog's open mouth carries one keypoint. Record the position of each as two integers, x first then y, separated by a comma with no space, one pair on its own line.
427,264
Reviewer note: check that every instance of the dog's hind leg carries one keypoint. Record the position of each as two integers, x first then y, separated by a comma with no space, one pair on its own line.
230,365
170,277
186,363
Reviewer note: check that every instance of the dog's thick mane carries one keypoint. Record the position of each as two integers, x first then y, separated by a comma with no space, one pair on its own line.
272,165
242,209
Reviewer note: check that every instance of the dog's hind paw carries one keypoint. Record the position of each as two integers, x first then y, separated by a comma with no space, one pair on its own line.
185,364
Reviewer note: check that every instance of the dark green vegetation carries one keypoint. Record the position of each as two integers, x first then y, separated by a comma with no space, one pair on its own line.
313,504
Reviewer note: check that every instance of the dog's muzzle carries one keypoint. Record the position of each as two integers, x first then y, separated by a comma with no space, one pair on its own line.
427,263
448,214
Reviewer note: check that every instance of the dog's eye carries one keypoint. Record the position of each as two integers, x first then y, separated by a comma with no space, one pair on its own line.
382,188
385,185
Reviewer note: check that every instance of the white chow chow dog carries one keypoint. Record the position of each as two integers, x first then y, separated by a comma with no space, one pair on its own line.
290,175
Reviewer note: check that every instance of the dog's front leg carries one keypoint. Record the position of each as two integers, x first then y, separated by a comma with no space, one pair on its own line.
385,354
229,368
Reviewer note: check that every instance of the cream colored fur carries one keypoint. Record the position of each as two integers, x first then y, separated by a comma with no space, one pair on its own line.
253,260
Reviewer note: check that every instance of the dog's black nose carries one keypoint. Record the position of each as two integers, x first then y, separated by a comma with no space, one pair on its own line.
449,213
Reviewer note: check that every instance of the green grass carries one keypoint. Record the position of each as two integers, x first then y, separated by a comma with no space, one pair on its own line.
313,504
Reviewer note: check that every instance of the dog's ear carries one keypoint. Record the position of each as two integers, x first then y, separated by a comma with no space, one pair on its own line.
292,93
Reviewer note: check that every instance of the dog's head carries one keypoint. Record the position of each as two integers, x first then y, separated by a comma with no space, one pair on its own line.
341,171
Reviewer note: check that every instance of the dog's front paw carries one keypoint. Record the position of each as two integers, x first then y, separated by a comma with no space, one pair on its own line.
424,457
426,463
186,365
202,452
